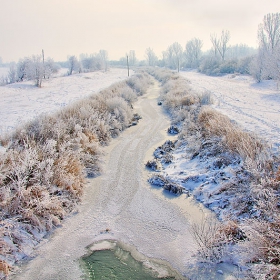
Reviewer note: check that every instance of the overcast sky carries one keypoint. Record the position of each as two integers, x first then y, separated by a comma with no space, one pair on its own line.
72,27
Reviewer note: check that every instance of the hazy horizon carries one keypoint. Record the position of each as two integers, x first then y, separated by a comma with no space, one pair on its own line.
73,27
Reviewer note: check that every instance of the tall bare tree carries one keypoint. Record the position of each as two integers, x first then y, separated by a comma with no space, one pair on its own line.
103,54
73,64
132,57
269,47
220,45
178,54
35,70
193,52
151,57
215,43
269,31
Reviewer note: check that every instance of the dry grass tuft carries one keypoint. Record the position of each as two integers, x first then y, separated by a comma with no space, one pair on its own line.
234,138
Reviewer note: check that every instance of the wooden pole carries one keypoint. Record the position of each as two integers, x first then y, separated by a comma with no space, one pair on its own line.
127,65
43,55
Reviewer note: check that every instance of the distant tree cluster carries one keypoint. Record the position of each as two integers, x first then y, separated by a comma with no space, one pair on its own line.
223,58
32,68
88,63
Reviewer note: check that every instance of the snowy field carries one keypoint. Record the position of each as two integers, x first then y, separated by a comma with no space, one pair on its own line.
21,102
156,223
254,106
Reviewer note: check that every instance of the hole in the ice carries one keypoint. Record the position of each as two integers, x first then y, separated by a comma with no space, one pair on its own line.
110,259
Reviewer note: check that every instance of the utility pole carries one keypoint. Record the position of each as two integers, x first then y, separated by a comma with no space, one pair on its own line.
43,55
127,64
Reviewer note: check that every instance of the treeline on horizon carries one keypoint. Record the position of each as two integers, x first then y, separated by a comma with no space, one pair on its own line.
223,58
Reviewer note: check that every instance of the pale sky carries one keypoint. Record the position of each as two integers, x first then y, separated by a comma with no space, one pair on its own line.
72,27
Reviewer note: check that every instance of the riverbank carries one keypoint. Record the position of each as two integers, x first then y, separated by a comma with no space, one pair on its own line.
120,200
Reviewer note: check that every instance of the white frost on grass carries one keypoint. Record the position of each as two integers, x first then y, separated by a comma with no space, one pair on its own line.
254,106
21,102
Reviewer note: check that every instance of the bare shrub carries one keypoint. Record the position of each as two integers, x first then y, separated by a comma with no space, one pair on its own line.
263,238
129,95
120,109
209,237
205,98
139,82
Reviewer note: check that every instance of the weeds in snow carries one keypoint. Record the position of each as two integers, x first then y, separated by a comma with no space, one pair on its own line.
244,180
42,172
209,237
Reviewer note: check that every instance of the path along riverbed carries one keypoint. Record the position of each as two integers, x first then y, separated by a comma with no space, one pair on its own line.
121,205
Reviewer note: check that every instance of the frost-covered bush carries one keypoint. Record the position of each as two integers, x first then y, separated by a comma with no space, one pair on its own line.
139,82
177,94
205,98
243,65
162,75
210,65
228,67
42,172
213,66
129,95
119,108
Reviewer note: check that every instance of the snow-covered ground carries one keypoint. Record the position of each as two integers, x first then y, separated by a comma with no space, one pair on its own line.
21,102
255,106
156,223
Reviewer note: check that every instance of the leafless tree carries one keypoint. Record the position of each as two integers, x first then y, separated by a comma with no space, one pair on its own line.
151,57
178,54
173,56
168,58
12,75
220,44
208,236
103,54
73,64
215,43
224,39
50,67
269,32
268,58
36,70
132,58
193,52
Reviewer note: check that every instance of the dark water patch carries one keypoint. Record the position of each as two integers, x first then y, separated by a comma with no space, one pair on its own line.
115,262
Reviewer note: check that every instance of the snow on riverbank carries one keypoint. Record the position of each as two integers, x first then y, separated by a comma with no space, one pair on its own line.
120,205
226,169
21,102
254,106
